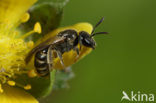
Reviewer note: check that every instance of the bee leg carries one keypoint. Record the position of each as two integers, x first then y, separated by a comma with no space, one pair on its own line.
77,51
80,42
59,54
80,45
50,57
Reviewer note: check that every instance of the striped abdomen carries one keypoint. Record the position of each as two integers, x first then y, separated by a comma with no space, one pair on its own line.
40,63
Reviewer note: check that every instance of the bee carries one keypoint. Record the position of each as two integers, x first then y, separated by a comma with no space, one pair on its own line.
63,42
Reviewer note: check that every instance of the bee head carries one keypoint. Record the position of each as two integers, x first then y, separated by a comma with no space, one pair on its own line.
86,39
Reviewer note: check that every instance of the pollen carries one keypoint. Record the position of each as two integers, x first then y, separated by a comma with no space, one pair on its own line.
12,54
11,83
25,17
13,50
32,73
30,44
37,27
27,87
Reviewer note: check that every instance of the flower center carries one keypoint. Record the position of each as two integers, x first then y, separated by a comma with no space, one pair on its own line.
13,51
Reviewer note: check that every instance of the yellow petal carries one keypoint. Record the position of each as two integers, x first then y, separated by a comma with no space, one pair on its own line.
12,10
15,95
70,57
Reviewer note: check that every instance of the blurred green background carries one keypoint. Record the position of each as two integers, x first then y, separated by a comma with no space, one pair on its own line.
123,60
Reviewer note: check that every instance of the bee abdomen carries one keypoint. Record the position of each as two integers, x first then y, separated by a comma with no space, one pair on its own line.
43,71
41,56
41,64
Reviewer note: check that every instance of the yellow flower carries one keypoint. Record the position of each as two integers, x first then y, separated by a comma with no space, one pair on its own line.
14,49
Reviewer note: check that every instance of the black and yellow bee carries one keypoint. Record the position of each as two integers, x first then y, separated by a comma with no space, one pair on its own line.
63,42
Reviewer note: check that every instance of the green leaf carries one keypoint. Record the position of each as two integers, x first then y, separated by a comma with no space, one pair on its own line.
41,86
47,14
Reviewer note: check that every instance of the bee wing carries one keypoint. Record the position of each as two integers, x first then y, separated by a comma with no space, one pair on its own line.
50,57
43,45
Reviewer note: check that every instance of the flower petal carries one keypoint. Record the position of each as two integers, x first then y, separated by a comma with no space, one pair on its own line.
16,95
70,57
12,10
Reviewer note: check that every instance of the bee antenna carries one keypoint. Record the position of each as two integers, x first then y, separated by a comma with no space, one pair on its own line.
101,20
99,33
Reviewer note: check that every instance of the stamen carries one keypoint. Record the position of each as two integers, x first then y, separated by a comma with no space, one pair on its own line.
1,90
27,34
13,50
25,17
37,29
32,73
27,87
11,83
